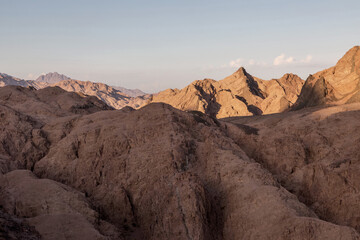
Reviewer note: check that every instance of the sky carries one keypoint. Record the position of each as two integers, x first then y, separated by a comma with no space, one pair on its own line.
155,45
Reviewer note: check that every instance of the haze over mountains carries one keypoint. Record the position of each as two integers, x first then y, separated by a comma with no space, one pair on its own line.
113,96
239,94
73,167
52,78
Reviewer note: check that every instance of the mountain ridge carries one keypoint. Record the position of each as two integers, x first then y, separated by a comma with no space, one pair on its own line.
336,85
111,96
236,95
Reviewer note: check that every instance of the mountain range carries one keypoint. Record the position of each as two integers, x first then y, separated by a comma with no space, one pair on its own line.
239,94
116,97
73,167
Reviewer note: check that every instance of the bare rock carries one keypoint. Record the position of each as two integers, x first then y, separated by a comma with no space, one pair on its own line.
177,175
12,228
333,86
55,210
239,94
314,154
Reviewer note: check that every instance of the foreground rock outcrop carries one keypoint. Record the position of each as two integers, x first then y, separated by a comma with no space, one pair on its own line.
314,154
55,210
13,228
153,173
239,94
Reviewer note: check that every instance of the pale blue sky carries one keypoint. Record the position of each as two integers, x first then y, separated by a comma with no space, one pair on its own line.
154,45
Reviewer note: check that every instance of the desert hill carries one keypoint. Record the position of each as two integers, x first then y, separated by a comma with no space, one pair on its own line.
336,85
239,94
161,173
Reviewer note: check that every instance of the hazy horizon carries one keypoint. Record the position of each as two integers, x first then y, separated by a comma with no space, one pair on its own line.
166,44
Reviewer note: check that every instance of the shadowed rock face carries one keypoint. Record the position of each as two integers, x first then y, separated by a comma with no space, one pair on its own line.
237,95
13,228
336,85
57,211
153,173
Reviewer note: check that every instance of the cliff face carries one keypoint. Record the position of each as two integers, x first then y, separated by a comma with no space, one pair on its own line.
153,173
240,94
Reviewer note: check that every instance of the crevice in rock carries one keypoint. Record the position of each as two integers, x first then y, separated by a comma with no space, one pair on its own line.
182,213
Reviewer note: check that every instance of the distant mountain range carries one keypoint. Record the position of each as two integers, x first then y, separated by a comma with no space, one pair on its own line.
116,97
130,92
239,94
10,80
52,78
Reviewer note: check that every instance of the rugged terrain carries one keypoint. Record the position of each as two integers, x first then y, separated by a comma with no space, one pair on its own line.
313,153
239,94
72,167
89,172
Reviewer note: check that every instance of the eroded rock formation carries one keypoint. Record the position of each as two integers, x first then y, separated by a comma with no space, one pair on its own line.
333,86
153,173
239,94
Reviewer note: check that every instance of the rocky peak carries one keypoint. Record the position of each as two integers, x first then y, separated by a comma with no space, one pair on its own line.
290,78
52,78
335,85
241,72
350,62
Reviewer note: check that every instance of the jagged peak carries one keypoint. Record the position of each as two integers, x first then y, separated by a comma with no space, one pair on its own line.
241,71
290,77
52,77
